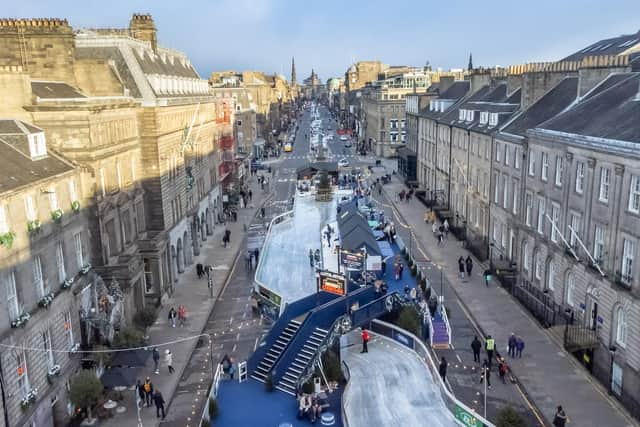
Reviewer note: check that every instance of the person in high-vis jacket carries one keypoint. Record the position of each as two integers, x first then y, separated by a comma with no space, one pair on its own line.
490,346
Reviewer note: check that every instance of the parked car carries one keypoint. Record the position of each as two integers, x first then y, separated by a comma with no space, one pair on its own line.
343,163
344,138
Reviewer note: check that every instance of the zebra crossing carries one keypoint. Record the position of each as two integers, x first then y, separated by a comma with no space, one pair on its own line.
328,156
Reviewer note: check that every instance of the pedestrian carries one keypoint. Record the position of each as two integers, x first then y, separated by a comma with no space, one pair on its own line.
560,418
141,394
485,373
511,345
182,315
365,341
262,212
227,236
250,195
461,266
490,346
247,259
469,263
234,214
401,269
256,254
159,401
168,357
446,228
148,391
156,360
199,270
311,257
443,369
519,347
172,317
440,239
384,267
413,293
476,345
487,277
502,369
434,228
406,292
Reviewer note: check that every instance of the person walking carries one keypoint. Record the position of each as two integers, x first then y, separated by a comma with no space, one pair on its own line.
443,369
247,260
168,357
158,399
519,347
461,266
256,254
141,394
199,270
511,345
446,228
490,346
487,277
469,265
434,228
250,195
172,317
182,315
156,360
148,391
365,341
502,369
476,346
485,373
413,294
400,270
560,418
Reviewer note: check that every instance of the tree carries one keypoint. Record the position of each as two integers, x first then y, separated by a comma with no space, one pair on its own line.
85,391
509,417
146,317
128,337
408,320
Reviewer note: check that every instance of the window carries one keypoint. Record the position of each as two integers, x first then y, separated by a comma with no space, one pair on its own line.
574,221
148,276
126,226
516,158
485,185
503,236
53,199
571,289
77,241
505,192
496,188
68,327
605,175
48,349
541,206
532,163
4,224
493,119
555,216
38,279
627,261
598,244
403,124
579,177
616,378
140,214
73,194
118,174
559,170
487,149
621,326
498,152
30,208
37,145
494,232
525,256
551,276
103,182
634,194
538,266
507,154
13,306
23,375
515,197
62,274
545,166
528,209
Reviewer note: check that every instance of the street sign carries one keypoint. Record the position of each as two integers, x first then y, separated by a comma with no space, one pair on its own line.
351,260
332,283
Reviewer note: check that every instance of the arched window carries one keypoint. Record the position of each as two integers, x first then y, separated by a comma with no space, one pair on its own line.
571,288
551,275
538,265
621,326
525,256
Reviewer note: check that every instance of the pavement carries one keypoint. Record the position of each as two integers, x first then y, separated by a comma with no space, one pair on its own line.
547,374
199,301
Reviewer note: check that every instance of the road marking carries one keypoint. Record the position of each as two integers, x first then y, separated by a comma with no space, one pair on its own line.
235,346
458,357
238,337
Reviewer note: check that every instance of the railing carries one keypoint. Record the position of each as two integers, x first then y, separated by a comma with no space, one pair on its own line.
580,338
541,304
215,385
347,376
445,318
375,308
463,415
426,318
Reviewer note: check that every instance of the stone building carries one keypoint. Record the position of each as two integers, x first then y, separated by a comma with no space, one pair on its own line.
44,270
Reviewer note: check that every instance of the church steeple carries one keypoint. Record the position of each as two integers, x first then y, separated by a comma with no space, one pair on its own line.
470,63
293,71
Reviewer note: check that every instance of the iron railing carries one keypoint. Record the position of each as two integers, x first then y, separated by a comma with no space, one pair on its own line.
540,303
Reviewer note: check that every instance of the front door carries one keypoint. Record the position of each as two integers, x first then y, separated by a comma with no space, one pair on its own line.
592,313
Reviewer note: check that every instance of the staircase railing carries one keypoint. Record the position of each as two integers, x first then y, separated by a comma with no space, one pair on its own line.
426,318
445,318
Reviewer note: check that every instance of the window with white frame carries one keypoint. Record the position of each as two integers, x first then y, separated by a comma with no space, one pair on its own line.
571,289
505,191
634,194
605,176
528,209
37,145
551,276
4,223
516,197
461,114
532,163
77,242
545,166
48,349
62,274
494,232
541,210
493,119
503,237
559,170
555,217
621,326
73,194
507,154
496,188
525,256
13,305
579,177
627,260
484,117
498,152
487,149
516,158
538,266
38,279
30,208
68,327
574,222
598,244
485,184
22,373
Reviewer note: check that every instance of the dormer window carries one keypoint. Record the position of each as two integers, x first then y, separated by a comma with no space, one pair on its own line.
431,104
470,114
37,145
484,117
493,119
462,115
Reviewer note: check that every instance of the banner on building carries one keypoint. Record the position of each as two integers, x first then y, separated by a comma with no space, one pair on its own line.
374,263
332,283
352,260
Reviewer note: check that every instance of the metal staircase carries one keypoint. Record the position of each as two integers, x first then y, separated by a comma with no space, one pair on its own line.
440,337
275,351
288,382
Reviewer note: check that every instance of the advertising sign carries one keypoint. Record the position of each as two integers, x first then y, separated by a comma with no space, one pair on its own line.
332,283
403,339
374,263
353,261
271,296
466,418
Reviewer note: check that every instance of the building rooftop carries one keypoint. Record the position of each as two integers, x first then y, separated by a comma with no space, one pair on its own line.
612,46
43,89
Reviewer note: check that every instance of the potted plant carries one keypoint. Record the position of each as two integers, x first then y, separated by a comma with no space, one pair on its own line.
20,320
56,215
75,206
7,238
46,300
34,226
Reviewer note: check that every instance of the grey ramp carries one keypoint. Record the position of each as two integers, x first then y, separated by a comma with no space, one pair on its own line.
391,386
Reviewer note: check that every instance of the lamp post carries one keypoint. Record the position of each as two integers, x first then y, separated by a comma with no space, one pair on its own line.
612,352
491,245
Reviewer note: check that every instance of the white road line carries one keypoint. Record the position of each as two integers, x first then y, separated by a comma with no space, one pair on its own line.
458,357
235,346
238,337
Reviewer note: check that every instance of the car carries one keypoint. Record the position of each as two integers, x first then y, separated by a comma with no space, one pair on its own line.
329,137
288,148
344,138
343,163
347,144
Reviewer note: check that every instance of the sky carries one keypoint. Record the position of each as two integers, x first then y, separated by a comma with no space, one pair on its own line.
330,35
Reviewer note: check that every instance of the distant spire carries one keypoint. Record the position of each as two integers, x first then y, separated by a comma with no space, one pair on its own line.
470,62
293,70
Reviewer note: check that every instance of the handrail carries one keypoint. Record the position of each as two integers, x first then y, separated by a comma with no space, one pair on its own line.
347,376
427,315
215,385
428,360
445,318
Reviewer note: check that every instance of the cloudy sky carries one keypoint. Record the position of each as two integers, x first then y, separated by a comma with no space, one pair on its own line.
329,35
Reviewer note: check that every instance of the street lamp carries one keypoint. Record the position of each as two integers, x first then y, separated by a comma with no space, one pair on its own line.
491,245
